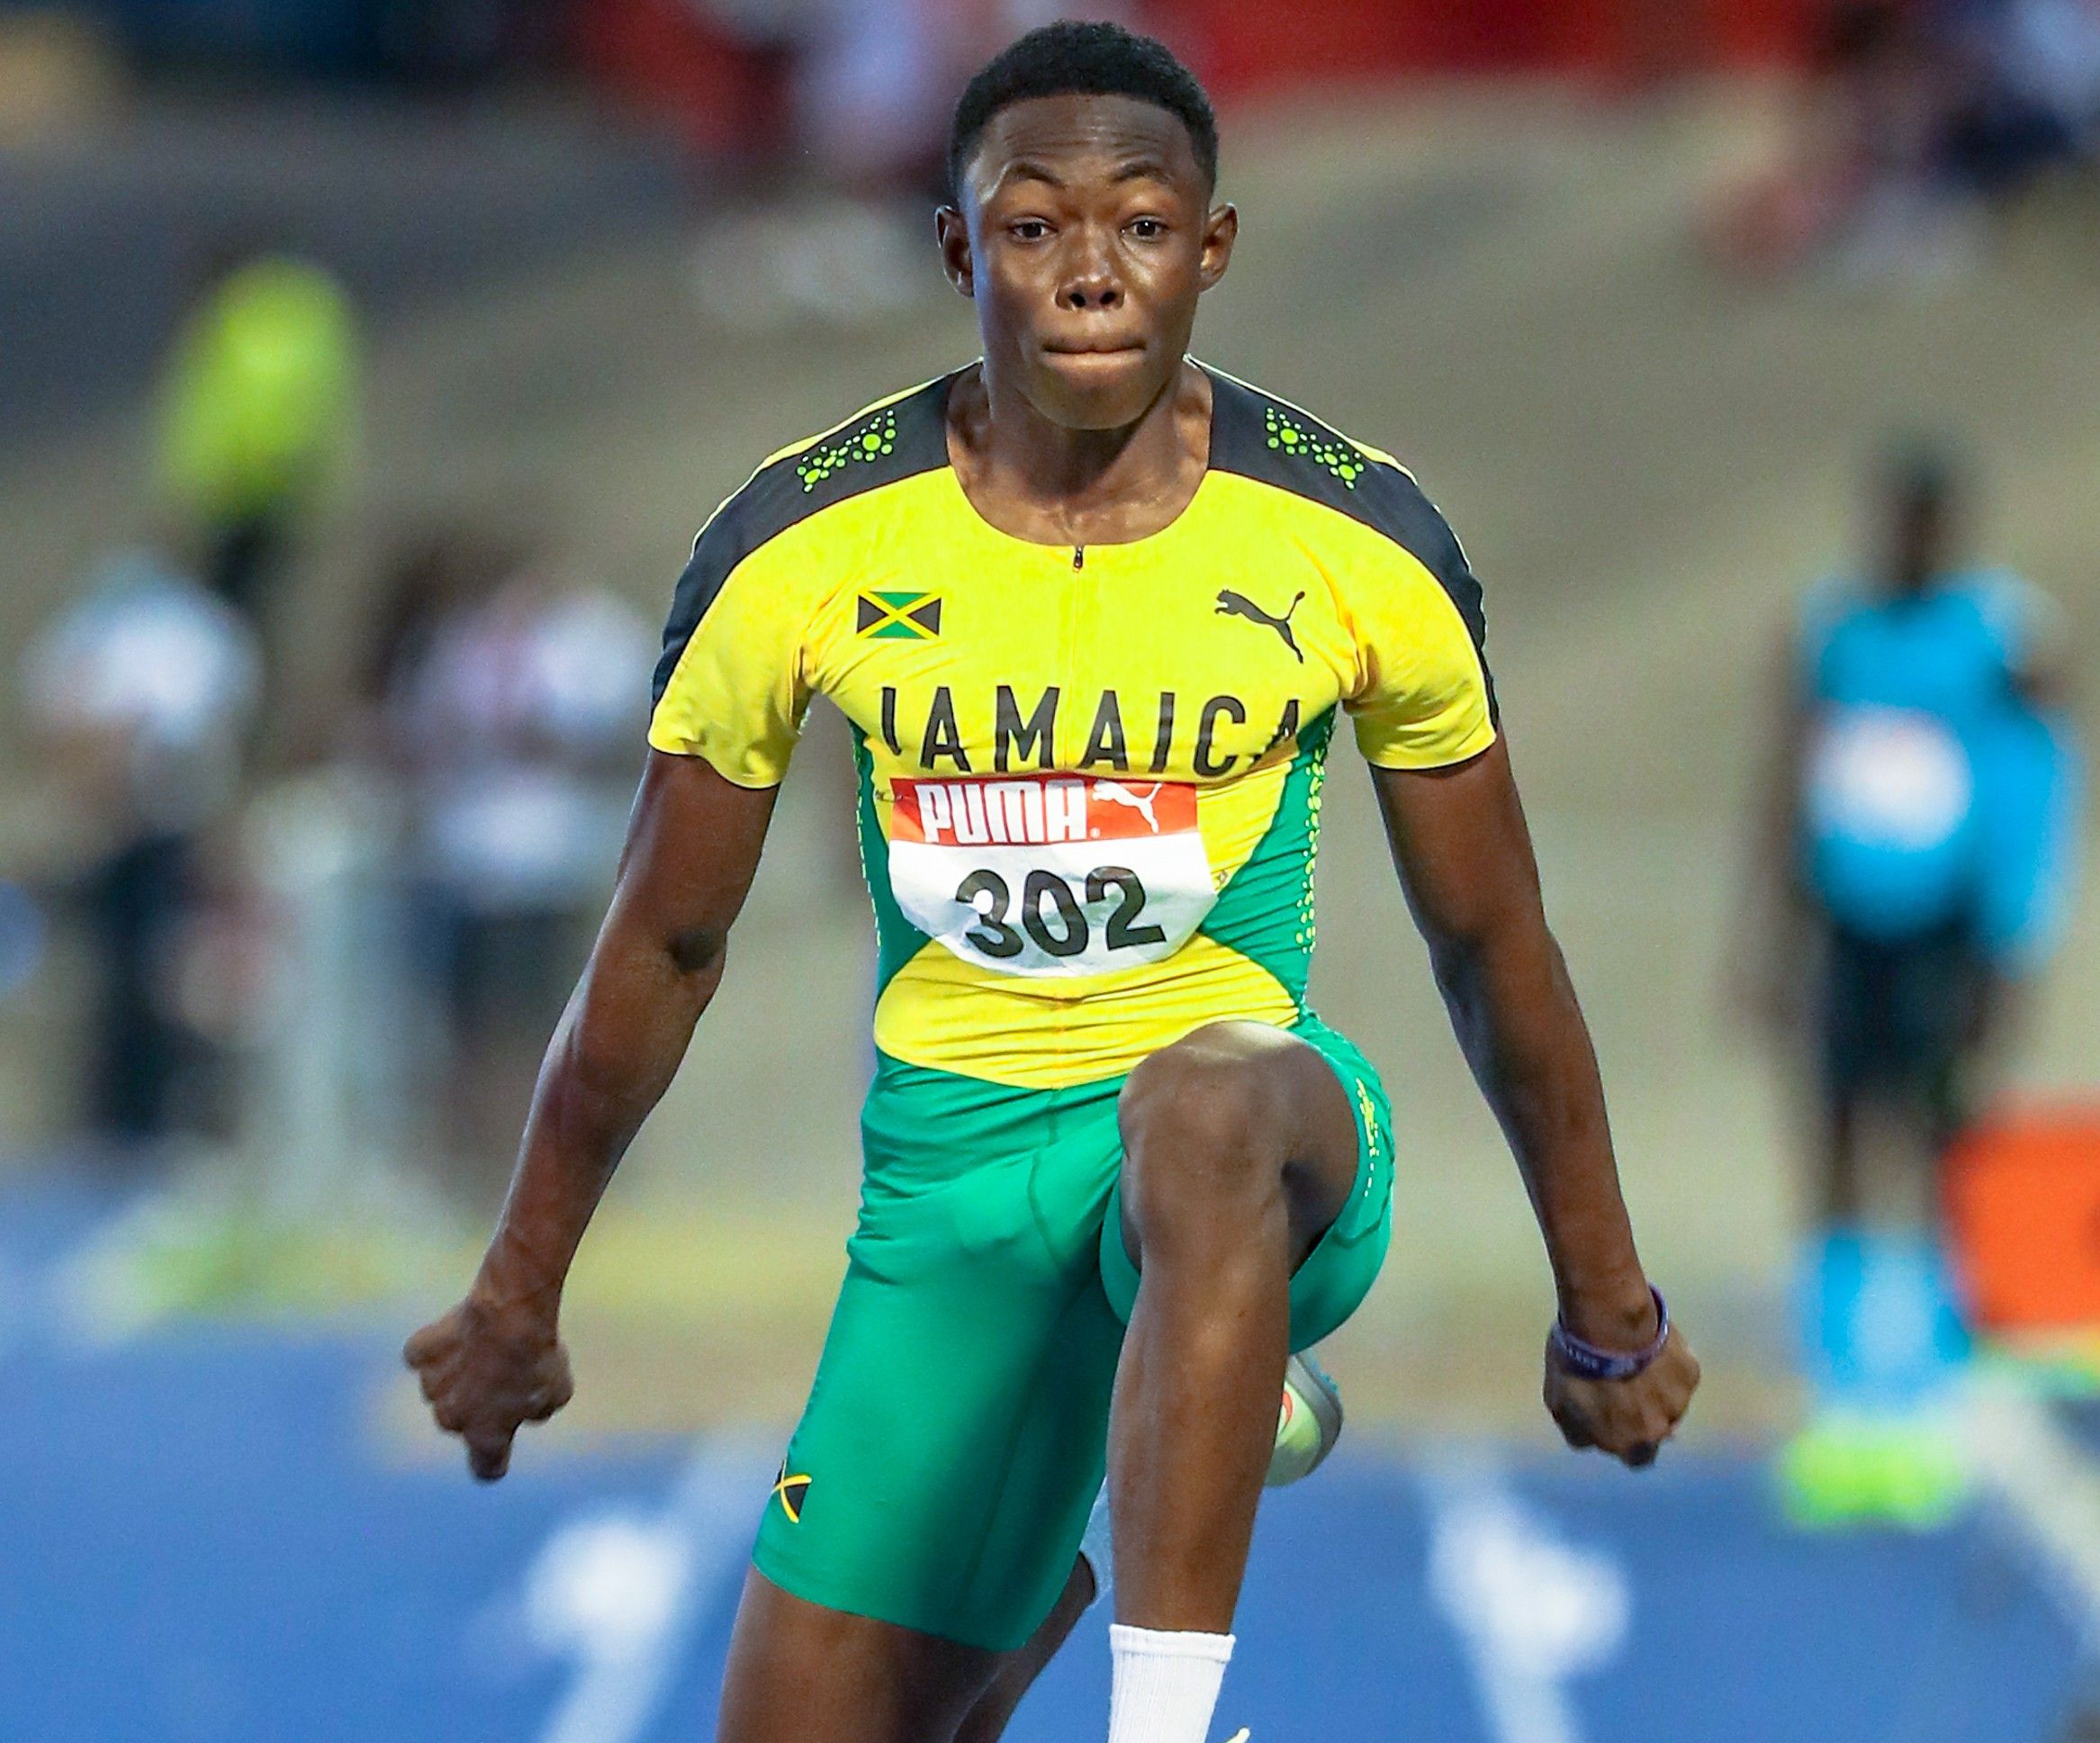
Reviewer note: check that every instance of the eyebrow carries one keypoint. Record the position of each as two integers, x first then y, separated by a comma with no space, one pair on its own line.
1133,169
1024,170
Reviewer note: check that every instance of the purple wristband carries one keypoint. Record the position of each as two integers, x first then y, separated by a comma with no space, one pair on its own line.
1588,1362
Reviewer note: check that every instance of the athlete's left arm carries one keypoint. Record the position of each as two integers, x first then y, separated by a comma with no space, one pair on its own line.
1463,854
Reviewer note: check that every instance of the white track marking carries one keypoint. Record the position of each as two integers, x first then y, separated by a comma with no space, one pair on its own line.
617,1592
2048,1487
1532,1610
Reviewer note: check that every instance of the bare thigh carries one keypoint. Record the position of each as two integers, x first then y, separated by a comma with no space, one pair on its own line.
800,1673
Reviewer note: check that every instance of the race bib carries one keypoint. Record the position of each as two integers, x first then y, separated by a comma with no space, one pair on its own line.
1050,874
1896,780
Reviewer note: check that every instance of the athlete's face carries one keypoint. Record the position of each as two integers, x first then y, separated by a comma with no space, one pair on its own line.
1085,235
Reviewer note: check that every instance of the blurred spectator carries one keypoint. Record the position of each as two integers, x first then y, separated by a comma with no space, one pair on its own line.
512,705
2029,99
872,83
1917,855
257,416
142,691
1860,170
429,42
1921,115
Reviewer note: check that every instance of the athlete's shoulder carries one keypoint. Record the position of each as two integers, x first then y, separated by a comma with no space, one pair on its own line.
883,444
895,439
1257,435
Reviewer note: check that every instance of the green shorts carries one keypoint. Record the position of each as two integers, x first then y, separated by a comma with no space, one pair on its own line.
957,1430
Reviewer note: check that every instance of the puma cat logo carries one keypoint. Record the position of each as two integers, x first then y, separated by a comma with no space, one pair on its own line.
1131,799
1238,605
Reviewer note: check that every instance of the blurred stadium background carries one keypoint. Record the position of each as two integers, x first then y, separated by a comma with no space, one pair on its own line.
1638,290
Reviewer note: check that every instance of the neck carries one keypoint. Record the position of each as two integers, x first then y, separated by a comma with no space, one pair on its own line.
1059,469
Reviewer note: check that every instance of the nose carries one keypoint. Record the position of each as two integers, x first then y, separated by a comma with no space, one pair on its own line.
1090,279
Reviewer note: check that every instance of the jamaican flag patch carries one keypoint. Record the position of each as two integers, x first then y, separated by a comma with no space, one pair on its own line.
790,1487
898,616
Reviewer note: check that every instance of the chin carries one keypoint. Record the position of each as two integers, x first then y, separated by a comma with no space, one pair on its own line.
1102,391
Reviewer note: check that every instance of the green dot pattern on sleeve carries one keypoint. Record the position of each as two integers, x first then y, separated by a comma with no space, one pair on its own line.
865,441
1324,449
1305,929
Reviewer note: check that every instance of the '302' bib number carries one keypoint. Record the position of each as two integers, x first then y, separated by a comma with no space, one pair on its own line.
1050,874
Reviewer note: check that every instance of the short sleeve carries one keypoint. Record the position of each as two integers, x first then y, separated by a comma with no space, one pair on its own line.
734,679
729,685
1423,698
2026,626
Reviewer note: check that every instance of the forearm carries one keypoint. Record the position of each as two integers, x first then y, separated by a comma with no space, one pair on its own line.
612,1056
1514,1009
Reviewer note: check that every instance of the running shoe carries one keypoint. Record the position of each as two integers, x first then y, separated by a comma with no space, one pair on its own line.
1309,1424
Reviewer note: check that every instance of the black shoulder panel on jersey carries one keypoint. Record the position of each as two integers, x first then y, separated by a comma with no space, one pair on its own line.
1264,438
888,442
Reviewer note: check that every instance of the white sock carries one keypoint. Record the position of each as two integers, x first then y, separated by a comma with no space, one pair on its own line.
1166,1684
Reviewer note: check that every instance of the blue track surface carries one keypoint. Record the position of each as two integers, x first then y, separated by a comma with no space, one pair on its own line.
200,1543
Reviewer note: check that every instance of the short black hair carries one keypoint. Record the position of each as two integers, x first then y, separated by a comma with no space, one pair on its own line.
1086,59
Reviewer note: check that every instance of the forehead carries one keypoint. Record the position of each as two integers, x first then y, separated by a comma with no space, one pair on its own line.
1083,140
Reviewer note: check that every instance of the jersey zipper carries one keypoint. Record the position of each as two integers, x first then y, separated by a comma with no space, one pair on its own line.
1078,556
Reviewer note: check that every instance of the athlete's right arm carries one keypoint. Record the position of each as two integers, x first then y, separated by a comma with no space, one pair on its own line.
496,1360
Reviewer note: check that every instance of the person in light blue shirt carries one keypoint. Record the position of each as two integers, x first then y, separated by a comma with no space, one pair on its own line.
1923,837
1930,830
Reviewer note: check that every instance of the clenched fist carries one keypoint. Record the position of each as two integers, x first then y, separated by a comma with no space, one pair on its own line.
1628,1419
486,1371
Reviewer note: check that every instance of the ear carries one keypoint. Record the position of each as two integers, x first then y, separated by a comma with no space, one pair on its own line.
953,235
1221,230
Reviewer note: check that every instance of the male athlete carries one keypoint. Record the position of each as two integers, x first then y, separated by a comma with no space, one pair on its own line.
1116,1170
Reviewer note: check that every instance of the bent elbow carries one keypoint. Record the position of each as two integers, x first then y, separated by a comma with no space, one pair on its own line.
695,950
1455,966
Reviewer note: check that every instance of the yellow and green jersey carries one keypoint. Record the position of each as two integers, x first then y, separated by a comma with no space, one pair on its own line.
1089,777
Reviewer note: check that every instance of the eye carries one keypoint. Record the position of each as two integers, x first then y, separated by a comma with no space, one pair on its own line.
1028,230
1147,229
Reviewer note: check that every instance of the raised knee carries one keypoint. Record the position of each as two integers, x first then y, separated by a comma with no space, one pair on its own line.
1199,1113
